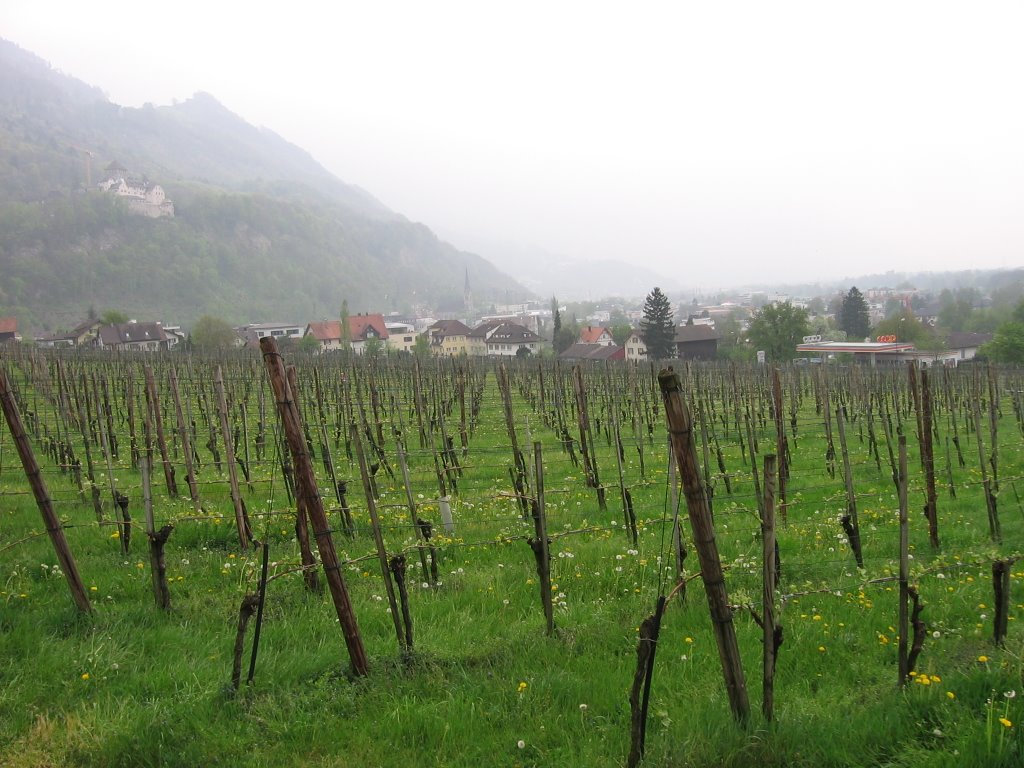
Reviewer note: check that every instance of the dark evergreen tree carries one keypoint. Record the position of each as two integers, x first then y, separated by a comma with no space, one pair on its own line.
561,338
853,316
657,329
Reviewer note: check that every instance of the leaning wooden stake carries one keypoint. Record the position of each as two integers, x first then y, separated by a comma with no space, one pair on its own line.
1001,588
153,400
904,616
781,449
247,609
35,479
306,486
928,458
157,539
680,427
186,443
772,637
241,518
539,543
849,521
640,694
378,538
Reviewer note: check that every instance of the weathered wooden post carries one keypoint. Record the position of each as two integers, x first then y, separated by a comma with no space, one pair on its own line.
539,543
849,521
1001,590
772,637
241,518
306,486
378,538
158,422
186,442
42,495
680,428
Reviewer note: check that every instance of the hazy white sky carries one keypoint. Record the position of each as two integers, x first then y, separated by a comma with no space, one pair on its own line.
714,141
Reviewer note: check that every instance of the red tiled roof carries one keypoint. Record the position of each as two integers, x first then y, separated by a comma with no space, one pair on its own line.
8,325
592,334
325,330
359,326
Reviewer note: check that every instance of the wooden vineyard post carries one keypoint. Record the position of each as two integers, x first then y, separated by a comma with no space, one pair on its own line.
518,473
640,693
539,543
413,516
309,575
186,443
587,438
680,428
42,496
241,519
306,486
158,423
781,451
903,627
404,637
94,489
157,539
991,503
1001,590
678,545
627,499
849,521
928,458
772,637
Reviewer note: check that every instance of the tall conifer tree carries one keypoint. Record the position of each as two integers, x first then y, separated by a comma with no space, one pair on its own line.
657,329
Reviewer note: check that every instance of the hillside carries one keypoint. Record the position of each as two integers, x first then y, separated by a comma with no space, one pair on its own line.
261,229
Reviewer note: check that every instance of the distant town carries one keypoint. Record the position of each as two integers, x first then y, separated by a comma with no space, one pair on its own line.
894,326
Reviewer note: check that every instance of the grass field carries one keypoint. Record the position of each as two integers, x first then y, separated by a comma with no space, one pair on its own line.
132,685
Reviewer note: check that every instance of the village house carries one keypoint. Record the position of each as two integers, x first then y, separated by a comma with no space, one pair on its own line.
635,348
82,335
9,329
449,337
509,339
401,336
133,337
477,337
362,328
696,342
965,344
596,334
250,335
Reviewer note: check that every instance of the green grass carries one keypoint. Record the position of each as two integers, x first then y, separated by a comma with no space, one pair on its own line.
129,685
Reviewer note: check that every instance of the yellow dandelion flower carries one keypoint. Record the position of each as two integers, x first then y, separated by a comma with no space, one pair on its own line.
522,687
983,659
821,648
85,675
1006,722
950,695
935,678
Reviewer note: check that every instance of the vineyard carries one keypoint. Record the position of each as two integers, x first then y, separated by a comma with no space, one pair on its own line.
339,560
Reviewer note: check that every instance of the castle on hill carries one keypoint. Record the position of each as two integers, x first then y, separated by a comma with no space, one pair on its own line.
143,196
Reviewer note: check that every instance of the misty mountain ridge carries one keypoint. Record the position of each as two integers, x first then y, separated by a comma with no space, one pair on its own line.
548,274
261,230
